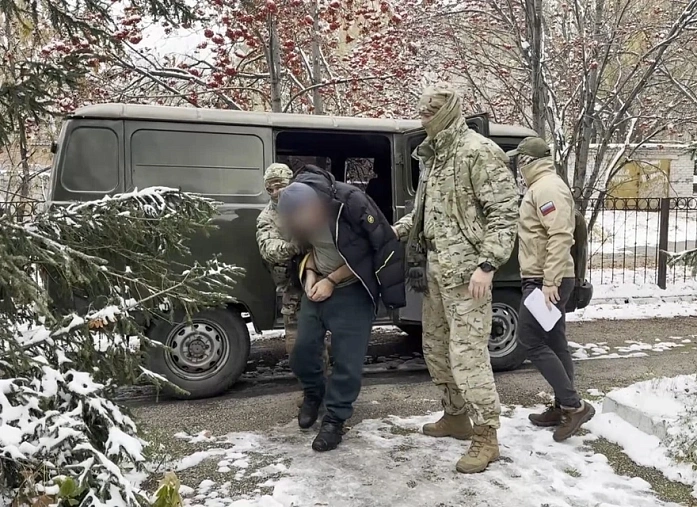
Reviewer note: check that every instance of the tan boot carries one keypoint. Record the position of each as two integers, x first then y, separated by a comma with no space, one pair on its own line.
484,450
456,426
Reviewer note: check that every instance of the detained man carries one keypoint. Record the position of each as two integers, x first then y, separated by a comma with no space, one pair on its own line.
355,260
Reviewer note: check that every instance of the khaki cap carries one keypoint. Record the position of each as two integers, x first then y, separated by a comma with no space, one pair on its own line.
534,147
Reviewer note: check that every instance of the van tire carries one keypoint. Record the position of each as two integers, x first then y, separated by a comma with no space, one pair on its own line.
504,350
220,342
505,356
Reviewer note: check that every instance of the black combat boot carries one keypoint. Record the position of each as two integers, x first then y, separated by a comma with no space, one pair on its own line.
309,411
329,436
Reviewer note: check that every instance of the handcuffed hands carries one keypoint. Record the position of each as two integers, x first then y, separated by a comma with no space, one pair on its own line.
321,291
310,282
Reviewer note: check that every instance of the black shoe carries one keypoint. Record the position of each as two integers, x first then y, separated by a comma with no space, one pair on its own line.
309,411
329,436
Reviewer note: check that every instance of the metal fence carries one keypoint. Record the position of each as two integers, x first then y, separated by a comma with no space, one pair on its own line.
20,210
627,236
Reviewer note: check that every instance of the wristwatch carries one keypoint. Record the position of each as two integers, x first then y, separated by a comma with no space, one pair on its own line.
487,267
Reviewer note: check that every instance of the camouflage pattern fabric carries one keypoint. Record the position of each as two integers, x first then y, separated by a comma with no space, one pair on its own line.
473,202
456,332
275,247
442,102
278,171
468,200
291,305
277,251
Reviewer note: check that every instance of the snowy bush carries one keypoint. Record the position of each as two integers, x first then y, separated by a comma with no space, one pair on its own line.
62,439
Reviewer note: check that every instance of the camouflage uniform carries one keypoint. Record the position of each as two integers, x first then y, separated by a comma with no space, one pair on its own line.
470,206
277,251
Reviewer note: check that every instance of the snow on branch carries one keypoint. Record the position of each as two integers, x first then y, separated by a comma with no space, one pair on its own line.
63,440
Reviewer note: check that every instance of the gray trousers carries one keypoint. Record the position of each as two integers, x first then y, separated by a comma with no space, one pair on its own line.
549,350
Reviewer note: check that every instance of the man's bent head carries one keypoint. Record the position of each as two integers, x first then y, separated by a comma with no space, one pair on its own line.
302,209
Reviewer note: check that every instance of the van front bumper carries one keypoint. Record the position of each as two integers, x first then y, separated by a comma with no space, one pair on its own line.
583,294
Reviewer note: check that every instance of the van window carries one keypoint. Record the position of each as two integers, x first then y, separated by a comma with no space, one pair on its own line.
359,171
91,162
202,162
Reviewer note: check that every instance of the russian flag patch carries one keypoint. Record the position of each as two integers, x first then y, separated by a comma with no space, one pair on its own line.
547,208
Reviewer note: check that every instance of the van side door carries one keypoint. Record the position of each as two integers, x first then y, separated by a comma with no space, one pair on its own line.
225,163
407,173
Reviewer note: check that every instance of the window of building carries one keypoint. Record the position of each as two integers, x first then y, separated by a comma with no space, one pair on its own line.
202,162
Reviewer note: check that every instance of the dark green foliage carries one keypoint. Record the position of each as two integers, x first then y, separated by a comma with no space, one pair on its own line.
61,366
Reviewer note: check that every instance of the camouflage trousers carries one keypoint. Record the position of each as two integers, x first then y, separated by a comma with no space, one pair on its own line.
291,305
456,331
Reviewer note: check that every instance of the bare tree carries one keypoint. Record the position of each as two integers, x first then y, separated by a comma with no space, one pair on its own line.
607,74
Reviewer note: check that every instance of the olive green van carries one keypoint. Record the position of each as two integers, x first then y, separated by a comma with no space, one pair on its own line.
112,148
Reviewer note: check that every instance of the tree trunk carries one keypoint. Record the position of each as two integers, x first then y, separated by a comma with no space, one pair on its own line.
533,10
316,62
274,59
587,127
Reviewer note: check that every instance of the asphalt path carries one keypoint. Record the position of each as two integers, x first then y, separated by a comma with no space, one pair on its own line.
397,382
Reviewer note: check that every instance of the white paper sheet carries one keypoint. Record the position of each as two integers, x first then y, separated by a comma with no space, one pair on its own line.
546,316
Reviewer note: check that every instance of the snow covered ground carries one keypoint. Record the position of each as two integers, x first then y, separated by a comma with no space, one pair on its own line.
632,348
656,424
389,462
639,301
626,230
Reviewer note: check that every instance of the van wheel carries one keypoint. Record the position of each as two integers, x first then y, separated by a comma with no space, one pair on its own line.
505,351
203,357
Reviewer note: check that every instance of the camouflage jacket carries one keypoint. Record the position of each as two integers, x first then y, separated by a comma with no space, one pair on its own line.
276,249
469,180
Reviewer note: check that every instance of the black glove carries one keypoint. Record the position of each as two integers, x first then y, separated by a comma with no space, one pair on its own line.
416,279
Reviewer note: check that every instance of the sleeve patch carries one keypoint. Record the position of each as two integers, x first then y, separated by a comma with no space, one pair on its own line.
547,208
371,219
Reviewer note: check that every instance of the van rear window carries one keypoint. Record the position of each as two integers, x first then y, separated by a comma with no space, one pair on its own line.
208,163
91,162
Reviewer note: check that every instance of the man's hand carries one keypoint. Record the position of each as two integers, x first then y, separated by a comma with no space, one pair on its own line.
396,232
551,295
480,283
310,282
321,291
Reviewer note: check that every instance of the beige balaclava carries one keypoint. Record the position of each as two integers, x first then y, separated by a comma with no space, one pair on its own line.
442,101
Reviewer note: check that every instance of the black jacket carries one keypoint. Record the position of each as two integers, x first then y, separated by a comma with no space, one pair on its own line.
363,237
